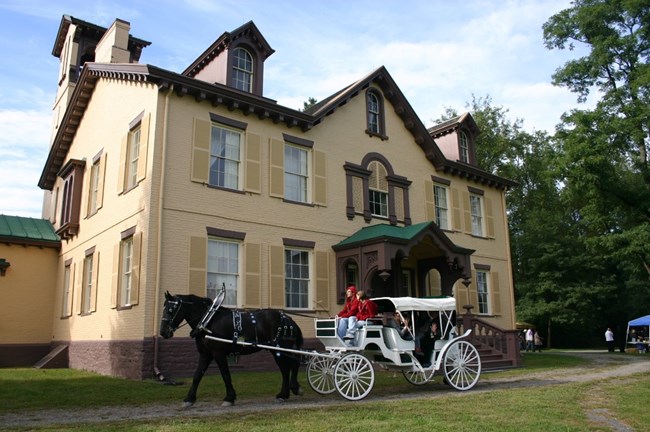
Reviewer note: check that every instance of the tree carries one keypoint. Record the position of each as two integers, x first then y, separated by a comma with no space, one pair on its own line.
309,103
603,153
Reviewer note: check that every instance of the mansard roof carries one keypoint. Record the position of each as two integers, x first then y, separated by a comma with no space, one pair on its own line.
248,30
92,31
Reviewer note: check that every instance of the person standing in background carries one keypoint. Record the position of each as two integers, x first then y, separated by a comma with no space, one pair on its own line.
609,339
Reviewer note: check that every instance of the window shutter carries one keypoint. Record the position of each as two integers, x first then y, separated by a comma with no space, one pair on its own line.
473,294
489,217
253,285
253,172
94,287
276,168
496,294
429,203
100,185
68,305
201,151
322,294
455,210
135,269
467,215
122,165
115,278
78,297
461,296
198,266
320,178
144,145
276,272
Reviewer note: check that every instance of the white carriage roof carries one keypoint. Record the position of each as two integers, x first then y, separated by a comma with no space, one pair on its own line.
415,304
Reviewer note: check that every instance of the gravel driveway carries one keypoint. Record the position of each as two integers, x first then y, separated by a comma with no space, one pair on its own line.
602,366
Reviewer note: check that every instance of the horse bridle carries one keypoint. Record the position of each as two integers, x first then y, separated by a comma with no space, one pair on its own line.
177,307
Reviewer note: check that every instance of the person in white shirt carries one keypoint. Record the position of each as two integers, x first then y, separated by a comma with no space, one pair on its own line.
609,338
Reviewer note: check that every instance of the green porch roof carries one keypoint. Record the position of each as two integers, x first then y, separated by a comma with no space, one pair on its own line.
385,231
29,231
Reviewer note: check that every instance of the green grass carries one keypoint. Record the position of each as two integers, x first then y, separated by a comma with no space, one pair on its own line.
562,407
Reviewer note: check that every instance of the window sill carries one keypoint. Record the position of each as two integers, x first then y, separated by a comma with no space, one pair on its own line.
374,134
298,202
225,189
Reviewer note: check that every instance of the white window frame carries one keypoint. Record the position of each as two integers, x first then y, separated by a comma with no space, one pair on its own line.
94,187
87,284
378,200
132,157
242,70
224,266
476,212
483,292
126,271
231,160
441,205
297,184
295,274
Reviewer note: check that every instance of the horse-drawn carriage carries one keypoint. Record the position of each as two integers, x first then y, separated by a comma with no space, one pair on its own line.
344,367
348,367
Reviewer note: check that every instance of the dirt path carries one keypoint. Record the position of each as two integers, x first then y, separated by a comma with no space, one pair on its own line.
602,366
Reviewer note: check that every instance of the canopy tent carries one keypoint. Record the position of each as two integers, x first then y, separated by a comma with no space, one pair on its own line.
642,321
638,335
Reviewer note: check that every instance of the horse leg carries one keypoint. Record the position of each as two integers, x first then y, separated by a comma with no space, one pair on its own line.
283,363
294,384
204,362
231,395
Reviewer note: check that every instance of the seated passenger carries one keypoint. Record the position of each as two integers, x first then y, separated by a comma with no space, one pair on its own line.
350,310
367,309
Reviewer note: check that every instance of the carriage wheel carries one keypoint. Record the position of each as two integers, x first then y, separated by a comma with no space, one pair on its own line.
417,377
354,376
462,365
320,374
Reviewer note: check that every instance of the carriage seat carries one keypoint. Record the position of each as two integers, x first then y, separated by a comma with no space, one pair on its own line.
393,340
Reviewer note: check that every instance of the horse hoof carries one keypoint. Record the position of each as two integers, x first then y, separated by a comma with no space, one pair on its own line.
187,405
227,404
281,400
299,392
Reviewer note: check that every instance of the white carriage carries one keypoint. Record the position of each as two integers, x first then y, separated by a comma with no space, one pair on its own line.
348,366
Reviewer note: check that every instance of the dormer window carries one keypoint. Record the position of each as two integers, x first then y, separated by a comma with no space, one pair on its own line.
242,74
375,114
463,147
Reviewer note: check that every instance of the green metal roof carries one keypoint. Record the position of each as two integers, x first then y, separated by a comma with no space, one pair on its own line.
395,233
25,230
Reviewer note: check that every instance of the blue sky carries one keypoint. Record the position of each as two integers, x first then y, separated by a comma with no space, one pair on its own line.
439,52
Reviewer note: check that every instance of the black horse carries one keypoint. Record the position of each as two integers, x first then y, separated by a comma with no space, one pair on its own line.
268,327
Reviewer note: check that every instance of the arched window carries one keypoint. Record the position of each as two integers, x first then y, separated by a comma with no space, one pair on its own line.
463,150
242,74
375,114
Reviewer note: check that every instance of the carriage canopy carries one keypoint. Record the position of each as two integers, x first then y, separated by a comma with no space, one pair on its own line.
433,304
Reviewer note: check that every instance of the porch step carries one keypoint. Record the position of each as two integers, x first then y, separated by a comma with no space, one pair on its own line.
57,358
491,360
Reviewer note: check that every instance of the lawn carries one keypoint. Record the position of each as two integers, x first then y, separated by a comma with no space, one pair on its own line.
565,407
